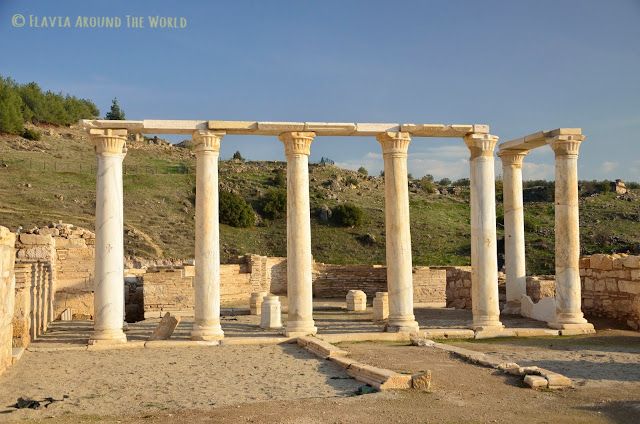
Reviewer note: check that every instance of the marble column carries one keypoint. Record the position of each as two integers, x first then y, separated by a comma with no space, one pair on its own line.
515,265
297,146
206,324
397,229
110,147
484,253
569,315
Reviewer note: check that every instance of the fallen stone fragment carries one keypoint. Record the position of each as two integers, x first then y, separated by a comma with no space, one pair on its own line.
421,381
165,328
535,381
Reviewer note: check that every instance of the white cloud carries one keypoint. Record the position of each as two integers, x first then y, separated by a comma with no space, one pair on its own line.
537,171
608,166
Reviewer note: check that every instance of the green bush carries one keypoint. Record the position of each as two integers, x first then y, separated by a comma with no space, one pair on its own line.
279,178
445,182
363,171
351,180
274,203
235,211
347,215
427,184
238,156
30,134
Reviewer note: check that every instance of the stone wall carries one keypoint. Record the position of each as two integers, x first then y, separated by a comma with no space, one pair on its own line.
75,264
7,296
611,287
334,281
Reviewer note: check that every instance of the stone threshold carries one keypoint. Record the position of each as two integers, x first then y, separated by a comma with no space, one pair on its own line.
533,376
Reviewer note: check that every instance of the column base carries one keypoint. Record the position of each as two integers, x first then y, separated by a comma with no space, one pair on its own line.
207,333
486,324
299,328
569,329
399,325
107,337
512,307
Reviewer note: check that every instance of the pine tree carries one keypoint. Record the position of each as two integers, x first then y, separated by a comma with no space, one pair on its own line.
115,113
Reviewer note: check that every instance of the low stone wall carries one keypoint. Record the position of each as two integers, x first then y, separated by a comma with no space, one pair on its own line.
458,286
7,296
611,287
335,281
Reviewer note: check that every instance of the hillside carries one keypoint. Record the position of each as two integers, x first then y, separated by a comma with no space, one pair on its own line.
54,179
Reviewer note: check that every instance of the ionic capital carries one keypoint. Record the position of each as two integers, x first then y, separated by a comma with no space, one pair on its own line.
207,141
109,141
566,145
480,144
394,143
512,158
297,143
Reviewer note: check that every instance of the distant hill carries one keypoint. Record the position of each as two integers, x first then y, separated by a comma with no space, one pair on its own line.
53,179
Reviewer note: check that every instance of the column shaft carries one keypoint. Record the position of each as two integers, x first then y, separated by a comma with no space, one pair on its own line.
109,247
398,232
484,253
514,247
206,325
568,302
299,259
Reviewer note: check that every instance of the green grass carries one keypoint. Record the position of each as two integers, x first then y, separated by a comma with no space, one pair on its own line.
159,213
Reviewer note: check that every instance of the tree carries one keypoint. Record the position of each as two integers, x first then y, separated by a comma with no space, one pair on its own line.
11,118
235,211
274,203
445,182
115,113
347,215
363,171
279,178
238,156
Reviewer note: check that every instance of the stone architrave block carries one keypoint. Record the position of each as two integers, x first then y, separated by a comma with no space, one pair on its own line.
356,301
271,317
165,328
535,381
255,302
381,306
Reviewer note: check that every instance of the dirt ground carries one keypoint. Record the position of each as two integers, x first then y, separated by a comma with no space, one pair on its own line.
284,384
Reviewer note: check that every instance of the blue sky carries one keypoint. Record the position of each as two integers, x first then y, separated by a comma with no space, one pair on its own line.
519,66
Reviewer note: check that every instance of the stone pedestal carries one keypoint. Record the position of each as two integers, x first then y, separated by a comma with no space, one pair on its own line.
206,325
569,314
484,254
109,246
516,278
299,261
271,313
398,235
255,302
356,301
381,307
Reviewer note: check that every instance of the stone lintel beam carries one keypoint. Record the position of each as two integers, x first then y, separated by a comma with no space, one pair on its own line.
153,126
148,126
538,139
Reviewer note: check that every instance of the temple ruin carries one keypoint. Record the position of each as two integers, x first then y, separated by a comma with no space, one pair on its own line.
109,139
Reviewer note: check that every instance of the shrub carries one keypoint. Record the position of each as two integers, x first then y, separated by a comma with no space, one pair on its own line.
351,180
347,215
237,156
462,182
279,178
235,211
30,134
274,203
363,171
445,182
427,184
